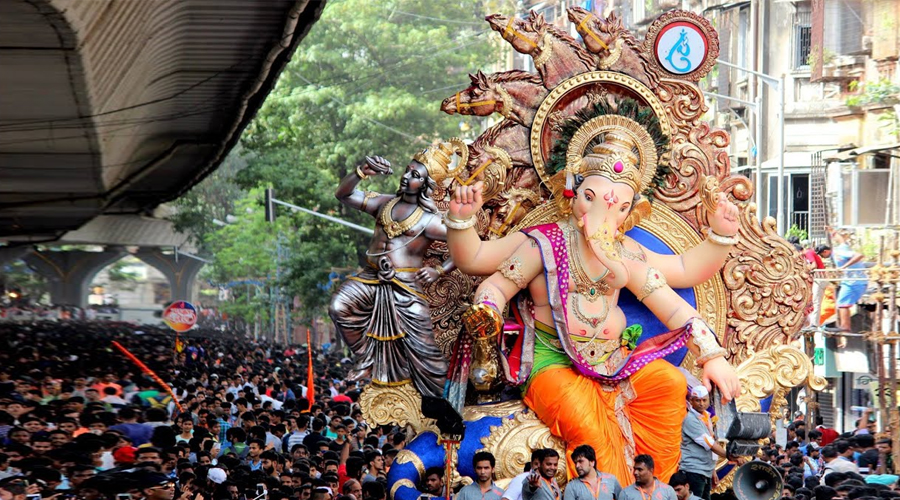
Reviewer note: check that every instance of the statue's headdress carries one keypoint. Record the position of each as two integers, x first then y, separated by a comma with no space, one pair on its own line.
625,144
437,159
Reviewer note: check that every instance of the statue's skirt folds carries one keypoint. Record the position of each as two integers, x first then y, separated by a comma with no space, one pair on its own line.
641,414
385,319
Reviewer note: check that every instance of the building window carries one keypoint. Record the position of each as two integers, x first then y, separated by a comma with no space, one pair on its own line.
743,36
844,27
638,10
864,193
802,35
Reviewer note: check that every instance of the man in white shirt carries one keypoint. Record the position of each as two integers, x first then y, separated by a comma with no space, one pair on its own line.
834,463
514,490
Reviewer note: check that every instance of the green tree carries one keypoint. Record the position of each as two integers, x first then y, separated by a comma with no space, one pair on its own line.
246,251
367,80
211,200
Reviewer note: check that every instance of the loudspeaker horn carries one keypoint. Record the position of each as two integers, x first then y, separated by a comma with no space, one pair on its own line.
757,480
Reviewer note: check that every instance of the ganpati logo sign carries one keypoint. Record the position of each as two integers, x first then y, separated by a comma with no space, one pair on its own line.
683,44
680,48
181,316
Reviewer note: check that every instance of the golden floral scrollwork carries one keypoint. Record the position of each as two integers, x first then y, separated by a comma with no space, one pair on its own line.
401,483
503,409
513,441
725,483
768,371
407,456
770,285
395,405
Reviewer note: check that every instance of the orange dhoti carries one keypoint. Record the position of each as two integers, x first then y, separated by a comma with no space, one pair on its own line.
641,415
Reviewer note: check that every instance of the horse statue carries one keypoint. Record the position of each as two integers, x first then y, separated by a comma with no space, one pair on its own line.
617,49
514,94
556,55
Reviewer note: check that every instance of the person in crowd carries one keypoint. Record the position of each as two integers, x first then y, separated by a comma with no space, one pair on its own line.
590,484
885,456
679,482
698,444
646,486
433,482
514,490
834,462
817,257
541,483
484,487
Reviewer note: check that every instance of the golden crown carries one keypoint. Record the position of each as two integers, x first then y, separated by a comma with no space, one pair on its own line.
437,159
625,153
614,166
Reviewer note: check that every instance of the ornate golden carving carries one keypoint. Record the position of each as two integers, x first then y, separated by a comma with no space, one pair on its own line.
513,441
504,409
406,456
770,285
398,405
400,483
765,372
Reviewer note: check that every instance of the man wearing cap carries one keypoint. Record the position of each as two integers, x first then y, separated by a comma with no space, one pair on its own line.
698,444
156,486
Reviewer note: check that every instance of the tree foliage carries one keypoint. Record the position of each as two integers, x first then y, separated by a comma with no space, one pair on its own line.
367,80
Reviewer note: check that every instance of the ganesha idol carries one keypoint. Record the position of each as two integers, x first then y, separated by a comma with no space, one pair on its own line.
577,359
616,262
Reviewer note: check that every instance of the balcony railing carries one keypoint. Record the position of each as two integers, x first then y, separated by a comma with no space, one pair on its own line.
801,220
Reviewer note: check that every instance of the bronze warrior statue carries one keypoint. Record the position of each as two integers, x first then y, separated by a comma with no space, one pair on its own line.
382,312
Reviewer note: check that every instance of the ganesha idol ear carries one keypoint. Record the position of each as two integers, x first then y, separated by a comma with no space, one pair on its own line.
639,210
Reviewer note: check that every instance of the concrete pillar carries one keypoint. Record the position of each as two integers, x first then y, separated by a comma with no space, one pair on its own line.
181,274
70,273
9,254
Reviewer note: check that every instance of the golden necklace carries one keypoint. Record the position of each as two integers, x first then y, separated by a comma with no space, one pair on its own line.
394,228
590,319
584,285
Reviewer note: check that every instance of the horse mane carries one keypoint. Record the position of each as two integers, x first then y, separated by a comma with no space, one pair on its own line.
536,21
489,136
614,26
516,76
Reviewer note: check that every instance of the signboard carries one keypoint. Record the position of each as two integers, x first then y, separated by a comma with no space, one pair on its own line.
819,356
680,48
683,45
181,316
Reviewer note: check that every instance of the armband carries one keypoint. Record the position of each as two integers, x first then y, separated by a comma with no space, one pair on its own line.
655,281
511,269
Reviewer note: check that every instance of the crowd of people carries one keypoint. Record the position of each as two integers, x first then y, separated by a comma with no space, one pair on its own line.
78,419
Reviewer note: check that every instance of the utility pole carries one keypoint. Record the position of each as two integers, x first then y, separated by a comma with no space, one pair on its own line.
777,84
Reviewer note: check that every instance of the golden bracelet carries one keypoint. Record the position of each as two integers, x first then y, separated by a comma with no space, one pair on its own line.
360,173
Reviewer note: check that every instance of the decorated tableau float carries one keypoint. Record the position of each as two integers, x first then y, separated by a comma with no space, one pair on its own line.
565,277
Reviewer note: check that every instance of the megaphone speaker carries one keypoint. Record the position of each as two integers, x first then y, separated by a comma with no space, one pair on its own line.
757,480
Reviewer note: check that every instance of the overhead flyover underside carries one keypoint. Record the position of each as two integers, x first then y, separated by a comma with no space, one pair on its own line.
111,107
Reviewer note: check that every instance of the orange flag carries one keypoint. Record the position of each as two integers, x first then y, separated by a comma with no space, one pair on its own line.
310,375
144,368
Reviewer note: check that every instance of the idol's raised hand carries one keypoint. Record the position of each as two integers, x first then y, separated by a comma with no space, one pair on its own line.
466,201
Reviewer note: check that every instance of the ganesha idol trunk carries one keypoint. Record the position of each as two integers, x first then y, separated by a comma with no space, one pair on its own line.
577,288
